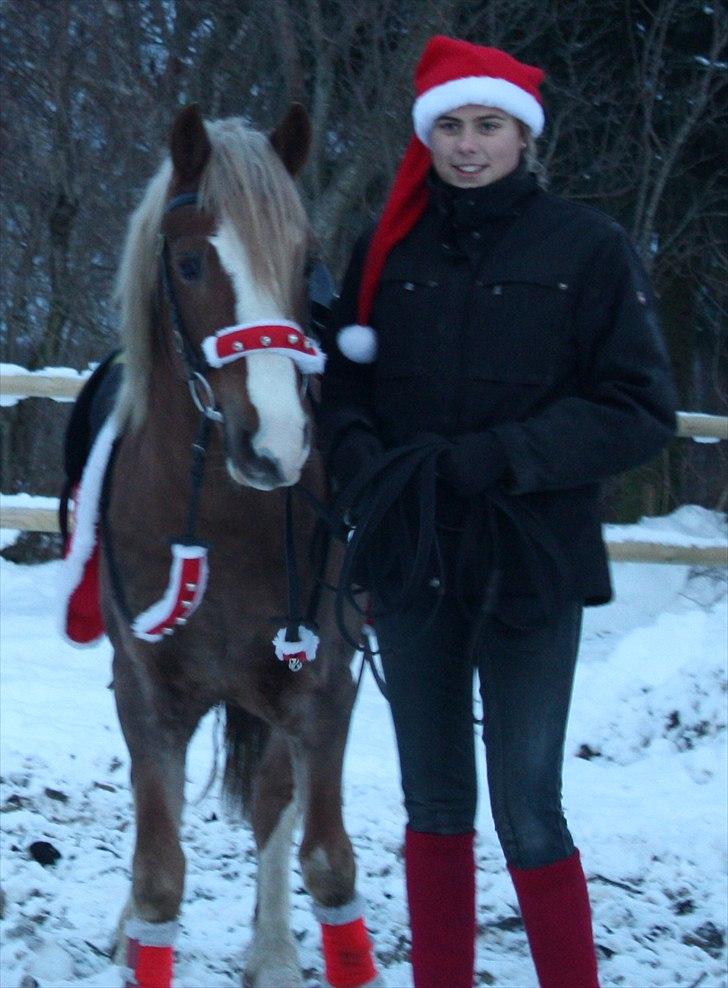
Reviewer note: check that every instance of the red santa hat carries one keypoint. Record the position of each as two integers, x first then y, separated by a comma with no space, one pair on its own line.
450,74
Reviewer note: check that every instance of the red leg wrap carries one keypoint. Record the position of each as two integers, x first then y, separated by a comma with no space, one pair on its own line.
441,895
152,966
555,907
348,954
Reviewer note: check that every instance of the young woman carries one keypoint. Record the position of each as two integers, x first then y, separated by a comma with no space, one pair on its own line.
517,330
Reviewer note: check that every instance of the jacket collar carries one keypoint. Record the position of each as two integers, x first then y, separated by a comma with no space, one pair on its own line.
467,209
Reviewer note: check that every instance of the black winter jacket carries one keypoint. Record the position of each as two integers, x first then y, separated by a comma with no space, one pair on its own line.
512,311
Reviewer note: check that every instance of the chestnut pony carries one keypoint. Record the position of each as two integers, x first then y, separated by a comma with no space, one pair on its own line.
214,270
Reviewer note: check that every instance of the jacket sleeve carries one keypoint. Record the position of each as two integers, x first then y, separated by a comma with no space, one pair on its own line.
346,386
623,411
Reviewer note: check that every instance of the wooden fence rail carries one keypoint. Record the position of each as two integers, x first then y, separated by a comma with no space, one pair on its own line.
16,384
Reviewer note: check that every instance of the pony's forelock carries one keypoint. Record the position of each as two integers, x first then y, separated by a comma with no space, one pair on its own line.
244,184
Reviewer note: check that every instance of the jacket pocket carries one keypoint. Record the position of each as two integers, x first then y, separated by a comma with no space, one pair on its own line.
521,330
405,314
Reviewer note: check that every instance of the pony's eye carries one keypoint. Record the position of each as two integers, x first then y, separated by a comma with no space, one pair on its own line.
190,266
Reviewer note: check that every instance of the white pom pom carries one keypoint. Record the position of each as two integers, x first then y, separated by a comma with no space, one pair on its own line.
358,343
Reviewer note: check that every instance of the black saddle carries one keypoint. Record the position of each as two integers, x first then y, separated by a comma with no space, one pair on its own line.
90,410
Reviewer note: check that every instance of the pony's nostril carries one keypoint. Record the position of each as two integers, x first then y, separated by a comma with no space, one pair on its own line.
269,463
263,453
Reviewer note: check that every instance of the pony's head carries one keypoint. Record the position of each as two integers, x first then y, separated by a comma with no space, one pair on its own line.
213,269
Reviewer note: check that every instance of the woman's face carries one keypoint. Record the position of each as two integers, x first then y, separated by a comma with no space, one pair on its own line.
475,145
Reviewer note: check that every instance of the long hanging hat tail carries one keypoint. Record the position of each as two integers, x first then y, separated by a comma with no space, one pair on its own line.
404,206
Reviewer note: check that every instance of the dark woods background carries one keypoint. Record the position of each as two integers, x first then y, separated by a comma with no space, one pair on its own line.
636,110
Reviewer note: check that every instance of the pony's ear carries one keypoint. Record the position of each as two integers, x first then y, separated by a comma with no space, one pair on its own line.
189,143
292,138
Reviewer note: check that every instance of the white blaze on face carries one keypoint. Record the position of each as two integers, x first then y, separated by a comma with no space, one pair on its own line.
272,378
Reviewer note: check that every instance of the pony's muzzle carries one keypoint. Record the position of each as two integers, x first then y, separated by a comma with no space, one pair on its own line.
262,469
261,472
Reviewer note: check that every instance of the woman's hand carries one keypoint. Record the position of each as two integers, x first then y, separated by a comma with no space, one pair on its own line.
475,462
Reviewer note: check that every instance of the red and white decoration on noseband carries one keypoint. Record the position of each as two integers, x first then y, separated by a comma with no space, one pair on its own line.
184,593
278,336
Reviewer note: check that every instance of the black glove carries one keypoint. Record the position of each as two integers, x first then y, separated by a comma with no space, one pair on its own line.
476,462
356,450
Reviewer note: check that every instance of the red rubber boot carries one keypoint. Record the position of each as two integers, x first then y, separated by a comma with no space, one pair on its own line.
440,870
555,907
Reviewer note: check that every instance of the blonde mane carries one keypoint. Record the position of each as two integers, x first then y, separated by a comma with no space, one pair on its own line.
245,183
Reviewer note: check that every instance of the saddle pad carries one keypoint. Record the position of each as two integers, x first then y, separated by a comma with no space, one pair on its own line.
81,621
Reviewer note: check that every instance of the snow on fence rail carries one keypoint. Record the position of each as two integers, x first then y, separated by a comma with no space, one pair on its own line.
59,383
37,514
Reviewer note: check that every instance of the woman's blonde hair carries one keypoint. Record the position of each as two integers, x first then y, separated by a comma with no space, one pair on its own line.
530,155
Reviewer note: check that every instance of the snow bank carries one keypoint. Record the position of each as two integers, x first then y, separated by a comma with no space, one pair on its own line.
688,525
663,687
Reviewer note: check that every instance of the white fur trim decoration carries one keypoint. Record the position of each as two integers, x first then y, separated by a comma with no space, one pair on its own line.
339,915
478,91
308,643
85,518
147,624
358,343
152,934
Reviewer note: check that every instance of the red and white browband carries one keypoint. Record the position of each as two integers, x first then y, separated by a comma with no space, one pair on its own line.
282,336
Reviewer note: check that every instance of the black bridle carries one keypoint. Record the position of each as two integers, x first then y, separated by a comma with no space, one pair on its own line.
193,359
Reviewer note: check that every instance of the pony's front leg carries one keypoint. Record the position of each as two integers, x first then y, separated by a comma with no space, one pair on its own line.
148,925
157,746
327,860
271,959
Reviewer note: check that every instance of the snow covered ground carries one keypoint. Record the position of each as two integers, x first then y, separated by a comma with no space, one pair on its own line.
645,791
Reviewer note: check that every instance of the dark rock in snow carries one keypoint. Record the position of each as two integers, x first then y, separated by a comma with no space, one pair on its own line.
684,906
57,795
587,752
708,937
13,802
44,853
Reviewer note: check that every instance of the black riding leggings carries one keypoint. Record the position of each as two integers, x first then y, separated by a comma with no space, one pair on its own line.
526,679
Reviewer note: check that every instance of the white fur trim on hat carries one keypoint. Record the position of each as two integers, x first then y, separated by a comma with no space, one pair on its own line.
357,343
479,91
